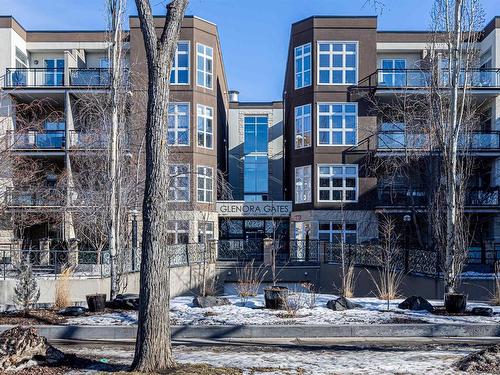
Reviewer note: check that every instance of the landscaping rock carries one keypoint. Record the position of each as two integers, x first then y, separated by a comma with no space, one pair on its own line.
210,301
127,301
482,311
341,304
72,311
416,303
486,360
20,345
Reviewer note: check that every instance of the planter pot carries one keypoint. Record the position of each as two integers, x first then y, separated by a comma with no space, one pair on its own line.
455,303
96,302
275,297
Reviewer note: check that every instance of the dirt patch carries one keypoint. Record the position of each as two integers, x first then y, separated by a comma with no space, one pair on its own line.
404,320
486,360
32,317
191,370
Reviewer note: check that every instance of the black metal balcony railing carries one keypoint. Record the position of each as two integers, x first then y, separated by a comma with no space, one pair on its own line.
88,140
34,77
423,78
42,198
89,77
417,197
400,140
31,140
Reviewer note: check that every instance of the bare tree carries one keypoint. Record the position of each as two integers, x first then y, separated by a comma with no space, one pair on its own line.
153,351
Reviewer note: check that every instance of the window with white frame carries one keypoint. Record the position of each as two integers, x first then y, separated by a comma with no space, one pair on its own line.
303,66
205,231
205,184
303,184
337,63
338,232
303,126
337,183
178,187
337,124
177,232
205,126
179,74
205,66
178,124
392,72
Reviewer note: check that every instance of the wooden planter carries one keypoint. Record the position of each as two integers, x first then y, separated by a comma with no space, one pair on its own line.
275,297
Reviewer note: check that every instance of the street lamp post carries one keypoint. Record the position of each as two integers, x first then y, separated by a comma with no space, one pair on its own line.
134,237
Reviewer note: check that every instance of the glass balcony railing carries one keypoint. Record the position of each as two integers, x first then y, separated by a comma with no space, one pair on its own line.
89,77
88,140
399,140
36,198
31,140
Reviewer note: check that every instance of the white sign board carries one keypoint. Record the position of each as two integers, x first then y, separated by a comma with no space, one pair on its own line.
254,209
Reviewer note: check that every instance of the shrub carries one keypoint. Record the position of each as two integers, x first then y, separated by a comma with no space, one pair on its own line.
62,293
26,291
249,280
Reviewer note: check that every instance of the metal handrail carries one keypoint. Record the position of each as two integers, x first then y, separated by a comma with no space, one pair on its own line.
36,139
34,77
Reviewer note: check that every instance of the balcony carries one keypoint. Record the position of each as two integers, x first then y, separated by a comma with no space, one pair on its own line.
36,140
395,80
399,140
84,140
47,197
56,77
402,198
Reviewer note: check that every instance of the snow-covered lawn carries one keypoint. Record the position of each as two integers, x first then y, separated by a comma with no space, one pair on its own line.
372,311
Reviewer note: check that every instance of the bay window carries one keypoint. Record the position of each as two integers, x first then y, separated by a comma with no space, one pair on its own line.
303,184
205,66
179,74
205,184
178,187
303,126
337,63
337,183
337,124
178,124
205,126
302,66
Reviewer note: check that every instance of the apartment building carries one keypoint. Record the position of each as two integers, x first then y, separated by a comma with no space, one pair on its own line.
298,170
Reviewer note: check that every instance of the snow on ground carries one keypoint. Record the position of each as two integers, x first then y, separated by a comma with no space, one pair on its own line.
372,311
282,360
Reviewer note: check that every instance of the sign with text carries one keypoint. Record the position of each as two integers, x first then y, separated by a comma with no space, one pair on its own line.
266,208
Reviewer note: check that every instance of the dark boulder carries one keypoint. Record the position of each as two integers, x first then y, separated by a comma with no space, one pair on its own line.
72,311
341,304
126,301
416,303
482,311
210,301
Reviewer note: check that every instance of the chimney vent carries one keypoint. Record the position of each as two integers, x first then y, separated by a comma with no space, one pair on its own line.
234,96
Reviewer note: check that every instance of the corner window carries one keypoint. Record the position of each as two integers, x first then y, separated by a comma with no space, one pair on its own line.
178,186
303,184
337,183
204,69
303,66
205,184
303,126
337,124
179,74
178,124
338,232
337,63
205,126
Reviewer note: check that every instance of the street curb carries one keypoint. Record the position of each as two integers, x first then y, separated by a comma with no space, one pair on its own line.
278,331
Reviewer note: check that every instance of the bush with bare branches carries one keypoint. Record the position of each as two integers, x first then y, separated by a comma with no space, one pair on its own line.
62,292
496,292
249,280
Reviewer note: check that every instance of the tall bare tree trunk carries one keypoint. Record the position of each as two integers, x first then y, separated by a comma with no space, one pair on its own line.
153,350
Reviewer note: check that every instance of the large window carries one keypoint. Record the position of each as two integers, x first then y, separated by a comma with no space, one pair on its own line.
337,183
337,63
255,179
179,75
205,184
205,66
303,66
303,184
255,134
178,187
178,124
255,173
303,126
337,232
205,126
393,72
337,124
177,232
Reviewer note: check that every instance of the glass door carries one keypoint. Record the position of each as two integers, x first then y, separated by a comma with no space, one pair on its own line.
54,72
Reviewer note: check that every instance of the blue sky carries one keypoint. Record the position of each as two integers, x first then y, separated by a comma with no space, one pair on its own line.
254,33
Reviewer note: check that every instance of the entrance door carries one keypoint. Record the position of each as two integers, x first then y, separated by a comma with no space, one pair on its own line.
54,72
